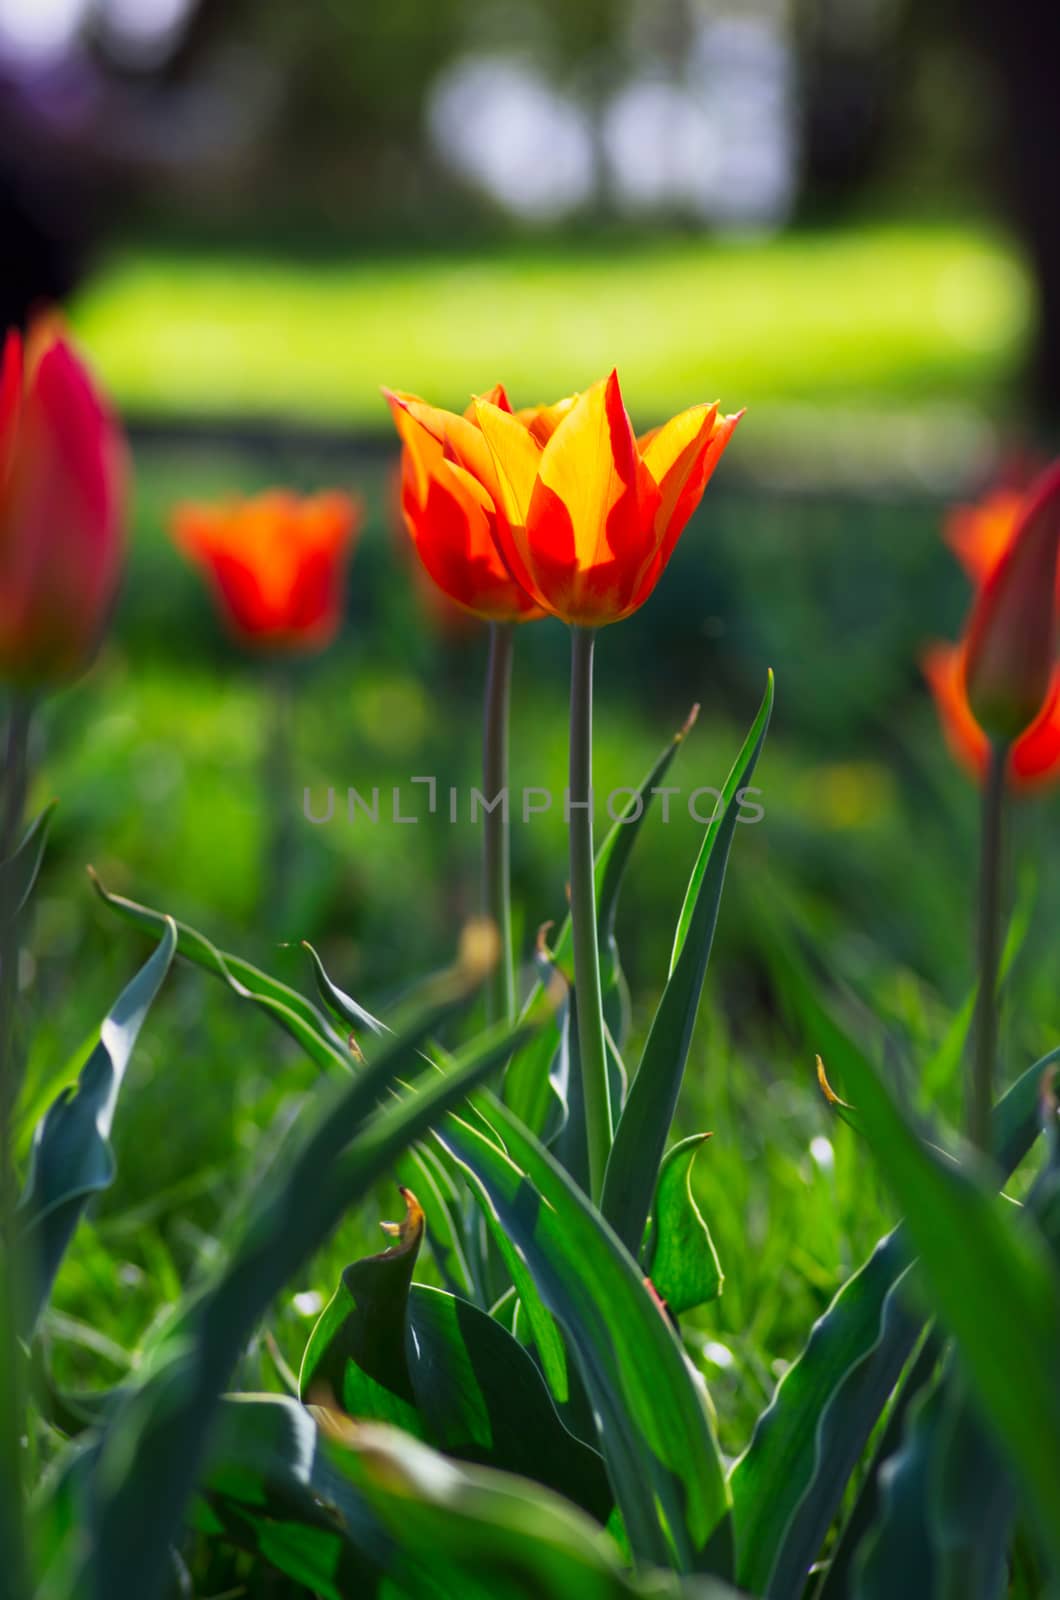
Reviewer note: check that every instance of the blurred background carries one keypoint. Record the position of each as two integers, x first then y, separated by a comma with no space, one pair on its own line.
838,213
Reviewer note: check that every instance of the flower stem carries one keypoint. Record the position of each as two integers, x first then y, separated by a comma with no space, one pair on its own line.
981,1089
279,791
592,1048
496,847
13,784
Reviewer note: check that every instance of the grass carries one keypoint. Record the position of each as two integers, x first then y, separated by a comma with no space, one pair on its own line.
873,318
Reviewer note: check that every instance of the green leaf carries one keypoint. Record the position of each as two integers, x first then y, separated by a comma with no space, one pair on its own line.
342,1004
680,1258
355,1356
392,1351
643,1128
544,1333
271,1485
989,1275
153,1446
294,1013
530,1083
946,1507
71,1158
481,1535
788,1484
653,1418
19,872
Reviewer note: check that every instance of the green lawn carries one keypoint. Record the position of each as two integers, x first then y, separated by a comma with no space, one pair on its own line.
871,318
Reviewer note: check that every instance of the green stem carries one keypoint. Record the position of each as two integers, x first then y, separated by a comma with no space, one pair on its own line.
13,784
981,1089
496,845
279,800
592,1048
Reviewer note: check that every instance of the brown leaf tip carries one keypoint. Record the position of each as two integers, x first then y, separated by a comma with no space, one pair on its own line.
827,1090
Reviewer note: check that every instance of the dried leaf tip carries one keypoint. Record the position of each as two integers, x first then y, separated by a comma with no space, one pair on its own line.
408,1230
827,1090
689,723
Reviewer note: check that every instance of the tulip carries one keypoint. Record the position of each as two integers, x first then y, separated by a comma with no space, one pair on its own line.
63,477
276,564
590,514
1033,759
449,495
450,500
589,517
1010,651
998,695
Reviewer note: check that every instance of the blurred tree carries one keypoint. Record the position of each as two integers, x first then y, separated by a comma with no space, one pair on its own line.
1021,41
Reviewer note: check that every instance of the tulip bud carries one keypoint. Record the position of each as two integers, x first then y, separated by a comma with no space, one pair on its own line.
62,493
1011,642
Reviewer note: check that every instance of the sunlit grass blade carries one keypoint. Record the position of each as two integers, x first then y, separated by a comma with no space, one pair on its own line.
654,1423
286,1006
642,1131
71,1158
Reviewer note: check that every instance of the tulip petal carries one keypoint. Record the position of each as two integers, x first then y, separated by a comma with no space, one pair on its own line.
65,503
979,535
10,403
1036,754
591,467
1011,638
516,456
943,667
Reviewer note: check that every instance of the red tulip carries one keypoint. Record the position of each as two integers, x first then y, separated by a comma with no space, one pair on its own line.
1010,649
276,564
591,513
449,496
1002,683
63,475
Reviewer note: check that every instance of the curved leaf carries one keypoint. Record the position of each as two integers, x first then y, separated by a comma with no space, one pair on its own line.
947,1505
484,1536
344,1005
643,1128
680,1258
788,1484
153,1446
654,1423
71,1158
355,1356
989,1275
19,872
389,1350
294,1013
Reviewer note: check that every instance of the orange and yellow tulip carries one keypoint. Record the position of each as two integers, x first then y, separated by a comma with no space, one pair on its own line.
590,514
449,495
276,564
1001,683
63,473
